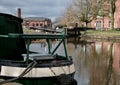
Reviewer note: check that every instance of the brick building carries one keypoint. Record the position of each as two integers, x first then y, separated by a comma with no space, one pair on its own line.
103,23
117,14
37,22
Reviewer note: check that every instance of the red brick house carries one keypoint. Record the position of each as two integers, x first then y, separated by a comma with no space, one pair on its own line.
117,14
103,23
37,22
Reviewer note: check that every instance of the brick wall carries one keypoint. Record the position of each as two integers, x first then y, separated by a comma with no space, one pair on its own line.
37,23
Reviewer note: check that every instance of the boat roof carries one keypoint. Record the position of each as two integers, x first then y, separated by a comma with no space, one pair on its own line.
12,17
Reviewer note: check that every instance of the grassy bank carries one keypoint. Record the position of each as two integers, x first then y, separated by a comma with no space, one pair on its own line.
102,33
95,35
88,32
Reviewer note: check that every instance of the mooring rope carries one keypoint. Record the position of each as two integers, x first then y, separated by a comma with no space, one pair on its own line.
54,71
28,69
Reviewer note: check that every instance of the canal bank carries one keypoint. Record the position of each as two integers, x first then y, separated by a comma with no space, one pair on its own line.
101,35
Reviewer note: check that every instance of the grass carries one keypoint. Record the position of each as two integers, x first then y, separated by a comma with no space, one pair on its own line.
102,33
28,31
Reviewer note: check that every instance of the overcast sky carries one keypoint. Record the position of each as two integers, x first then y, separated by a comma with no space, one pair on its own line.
38,8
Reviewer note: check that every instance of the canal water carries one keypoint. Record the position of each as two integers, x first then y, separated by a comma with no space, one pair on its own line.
96,62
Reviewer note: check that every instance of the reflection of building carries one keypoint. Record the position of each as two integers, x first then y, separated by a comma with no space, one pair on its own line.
37,22
116,55
104,64
102,47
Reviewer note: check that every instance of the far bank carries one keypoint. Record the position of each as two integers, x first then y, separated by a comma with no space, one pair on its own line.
101,35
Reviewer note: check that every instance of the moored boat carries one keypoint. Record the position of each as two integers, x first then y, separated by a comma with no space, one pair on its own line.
19,64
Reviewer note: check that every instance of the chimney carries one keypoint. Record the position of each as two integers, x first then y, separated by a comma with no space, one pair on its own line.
19,12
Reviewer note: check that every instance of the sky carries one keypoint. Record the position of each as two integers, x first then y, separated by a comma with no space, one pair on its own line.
35,8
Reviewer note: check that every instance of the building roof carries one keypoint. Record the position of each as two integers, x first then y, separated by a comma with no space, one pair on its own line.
36,18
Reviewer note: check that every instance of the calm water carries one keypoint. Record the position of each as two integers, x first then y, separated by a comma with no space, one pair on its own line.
96,63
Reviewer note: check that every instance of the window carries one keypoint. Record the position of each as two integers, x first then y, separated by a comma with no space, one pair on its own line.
98,25
37,24
41,24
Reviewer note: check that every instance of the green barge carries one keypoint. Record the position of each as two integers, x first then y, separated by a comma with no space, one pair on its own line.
19,64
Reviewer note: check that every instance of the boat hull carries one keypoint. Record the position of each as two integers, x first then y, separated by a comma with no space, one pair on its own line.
36,81
41,74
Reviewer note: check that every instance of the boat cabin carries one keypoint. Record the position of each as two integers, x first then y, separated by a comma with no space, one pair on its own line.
11,48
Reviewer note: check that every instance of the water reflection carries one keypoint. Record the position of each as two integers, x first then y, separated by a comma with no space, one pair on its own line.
96,63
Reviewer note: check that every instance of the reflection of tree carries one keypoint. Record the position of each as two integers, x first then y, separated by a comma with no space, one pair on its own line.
76,41
111,75
110,63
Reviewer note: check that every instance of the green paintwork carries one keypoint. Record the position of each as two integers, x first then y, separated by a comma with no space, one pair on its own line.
36,82
10,49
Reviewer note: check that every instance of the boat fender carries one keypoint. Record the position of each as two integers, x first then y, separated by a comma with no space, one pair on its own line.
64,79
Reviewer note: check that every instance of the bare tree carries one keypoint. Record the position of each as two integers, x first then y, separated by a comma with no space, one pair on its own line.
68,18
87,10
